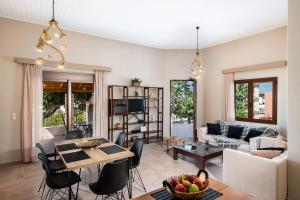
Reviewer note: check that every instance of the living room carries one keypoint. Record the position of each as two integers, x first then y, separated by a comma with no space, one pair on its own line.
238,41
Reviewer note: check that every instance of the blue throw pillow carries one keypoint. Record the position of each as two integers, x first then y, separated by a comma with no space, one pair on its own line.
253,133
235,132
213,129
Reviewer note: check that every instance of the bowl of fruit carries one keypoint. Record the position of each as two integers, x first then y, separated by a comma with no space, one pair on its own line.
187,186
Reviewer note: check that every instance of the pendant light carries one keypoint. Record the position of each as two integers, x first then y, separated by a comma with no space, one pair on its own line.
197,66
52,39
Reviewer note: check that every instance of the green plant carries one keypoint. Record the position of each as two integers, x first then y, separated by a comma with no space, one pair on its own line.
136,80
182,102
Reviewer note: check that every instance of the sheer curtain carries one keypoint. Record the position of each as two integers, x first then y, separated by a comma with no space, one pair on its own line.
100,105
228,108
31,112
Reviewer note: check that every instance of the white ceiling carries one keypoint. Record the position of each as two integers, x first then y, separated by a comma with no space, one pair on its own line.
166,24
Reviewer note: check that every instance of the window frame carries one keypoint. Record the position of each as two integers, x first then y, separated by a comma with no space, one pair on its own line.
250,83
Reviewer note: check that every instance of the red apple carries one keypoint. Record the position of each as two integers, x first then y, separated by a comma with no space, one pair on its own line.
190,178
180,188
199,183
174,182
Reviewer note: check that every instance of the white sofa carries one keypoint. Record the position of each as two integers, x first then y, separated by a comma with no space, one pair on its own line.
239,144
262,178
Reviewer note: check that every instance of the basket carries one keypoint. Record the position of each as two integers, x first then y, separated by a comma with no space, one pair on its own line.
186,195
88,144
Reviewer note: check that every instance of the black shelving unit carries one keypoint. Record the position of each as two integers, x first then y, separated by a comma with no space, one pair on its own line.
153,108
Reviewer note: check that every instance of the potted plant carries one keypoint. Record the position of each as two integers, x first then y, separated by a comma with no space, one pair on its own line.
136,82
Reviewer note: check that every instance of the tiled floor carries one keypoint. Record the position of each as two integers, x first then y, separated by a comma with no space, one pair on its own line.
21,181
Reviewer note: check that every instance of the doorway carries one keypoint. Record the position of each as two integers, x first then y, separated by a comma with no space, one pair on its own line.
183,96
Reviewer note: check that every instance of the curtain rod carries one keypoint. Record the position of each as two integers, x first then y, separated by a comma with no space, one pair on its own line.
67,65
270,65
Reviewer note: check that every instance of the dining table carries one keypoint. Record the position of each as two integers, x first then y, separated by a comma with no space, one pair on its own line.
76,158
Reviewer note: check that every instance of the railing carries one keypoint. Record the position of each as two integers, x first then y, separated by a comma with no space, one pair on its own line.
57,119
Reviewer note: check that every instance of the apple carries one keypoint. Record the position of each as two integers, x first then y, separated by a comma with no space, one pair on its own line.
186,183
174,182
180,188
193,188
190,178
199,183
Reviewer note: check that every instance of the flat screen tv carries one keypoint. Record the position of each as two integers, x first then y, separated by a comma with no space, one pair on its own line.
136,105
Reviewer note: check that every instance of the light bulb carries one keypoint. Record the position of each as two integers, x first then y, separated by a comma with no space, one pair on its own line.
61,65
39,61
49,41
57,35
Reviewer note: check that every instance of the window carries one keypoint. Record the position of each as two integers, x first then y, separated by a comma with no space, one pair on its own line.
256,100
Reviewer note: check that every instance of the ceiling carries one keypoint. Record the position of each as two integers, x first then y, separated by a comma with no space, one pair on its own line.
165,24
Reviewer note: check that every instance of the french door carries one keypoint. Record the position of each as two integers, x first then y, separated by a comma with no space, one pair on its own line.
183,97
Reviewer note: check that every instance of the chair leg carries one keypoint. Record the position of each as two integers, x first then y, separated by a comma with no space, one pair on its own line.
51,194
42,183
44,188
140,179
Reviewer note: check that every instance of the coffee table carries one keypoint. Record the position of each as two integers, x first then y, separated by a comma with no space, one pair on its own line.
202,152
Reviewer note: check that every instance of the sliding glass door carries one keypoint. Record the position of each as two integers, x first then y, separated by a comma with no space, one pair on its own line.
67,100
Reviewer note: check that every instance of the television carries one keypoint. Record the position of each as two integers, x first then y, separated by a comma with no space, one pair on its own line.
136,105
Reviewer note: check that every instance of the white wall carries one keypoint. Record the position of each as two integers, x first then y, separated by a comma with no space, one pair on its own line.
261,48
18,39
294,100
154,66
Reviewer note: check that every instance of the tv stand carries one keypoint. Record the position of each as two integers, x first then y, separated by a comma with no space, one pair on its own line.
151,118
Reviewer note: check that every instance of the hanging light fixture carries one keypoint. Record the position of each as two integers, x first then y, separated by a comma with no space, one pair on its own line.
197,66
54,39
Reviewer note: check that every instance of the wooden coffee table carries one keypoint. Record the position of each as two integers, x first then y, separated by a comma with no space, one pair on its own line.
200,153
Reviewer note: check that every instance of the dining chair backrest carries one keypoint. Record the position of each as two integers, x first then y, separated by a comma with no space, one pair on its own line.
121,139
137,149
45,161
114,176
40,147
70,135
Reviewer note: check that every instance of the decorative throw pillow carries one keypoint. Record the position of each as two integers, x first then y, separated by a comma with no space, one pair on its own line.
235,132
253,133
273,149
266,153
280,142
269,132
213,129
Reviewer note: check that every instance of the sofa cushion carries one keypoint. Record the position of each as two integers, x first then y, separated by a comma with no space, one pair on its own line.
224,126
235,132
280,142
266,153
269,132
226,142
213,129
252,133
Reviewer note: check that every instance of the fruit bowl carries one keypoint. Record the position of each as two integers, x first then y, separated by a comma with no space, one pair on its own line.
87,144
187,186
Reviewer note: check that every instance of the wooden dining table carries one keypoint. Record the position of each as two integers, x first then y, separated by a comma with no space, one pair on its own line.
76,158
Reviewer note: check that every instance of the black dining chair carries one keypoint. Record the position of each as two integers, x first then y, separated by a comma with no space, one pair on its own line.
59,180
54,165
113,178
121,139
137,149
76,134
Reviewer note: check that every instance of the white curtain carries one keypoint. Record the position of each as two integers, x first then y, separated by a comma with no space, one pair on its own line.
100,128
31,112
228,108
